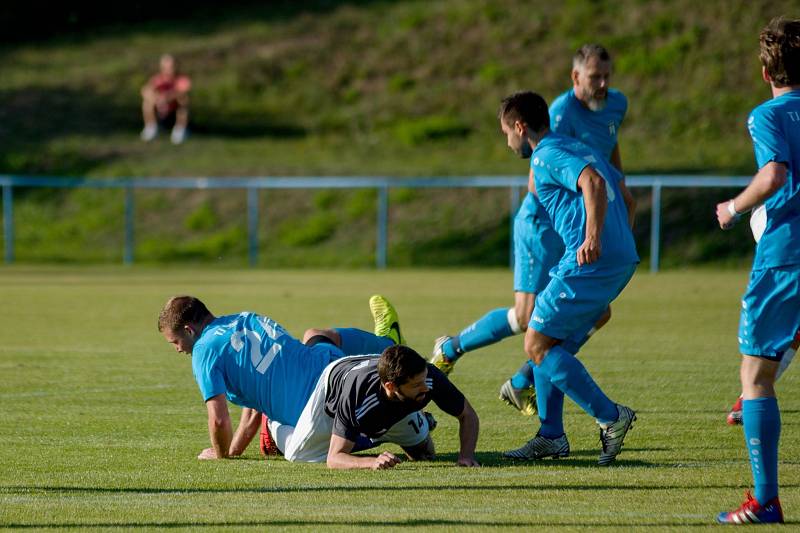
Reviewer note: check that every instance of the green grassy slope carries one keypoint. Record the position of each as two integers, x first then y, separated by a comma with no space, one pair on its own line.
398,88
102,420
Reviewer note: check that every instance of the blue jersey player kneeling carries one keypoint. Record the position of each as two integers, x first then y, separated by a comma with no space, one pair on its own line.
581,193
770,314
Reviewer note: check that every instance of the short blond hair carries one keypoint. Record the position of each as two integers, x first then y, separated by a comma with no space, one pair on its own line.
180,311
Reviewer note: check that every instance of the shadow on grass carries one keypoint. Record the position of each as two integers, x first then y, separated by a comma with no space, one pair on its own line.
576,459
388,487
418,523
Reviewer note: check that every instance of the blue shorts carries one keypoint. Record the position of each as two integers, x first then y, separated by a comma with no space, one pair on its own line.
576,298
537,249
770,311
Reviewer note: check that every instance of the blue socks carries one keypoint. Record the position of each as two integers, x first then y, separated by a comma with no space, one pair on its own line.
490,328
360,342
550,404
524,376
568,374
762,431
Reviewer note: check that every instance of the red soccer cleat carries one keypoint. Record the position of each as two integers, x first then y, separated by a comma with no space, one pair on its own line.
735,415
752,512
266,444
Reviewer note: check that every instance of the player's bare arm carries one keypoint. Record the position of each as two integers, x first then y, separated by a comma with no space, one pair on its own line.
766,182
595,200
468,425
339,456
249,426
220,430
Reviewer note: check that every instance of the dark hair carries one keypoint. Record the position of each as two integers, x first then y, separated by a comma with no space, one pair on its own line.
399,363
527,107
780,51
587,51
180,311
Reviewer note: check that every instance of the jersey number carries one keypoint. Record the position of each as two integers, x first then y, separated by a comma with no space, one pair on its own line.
260,360
416,425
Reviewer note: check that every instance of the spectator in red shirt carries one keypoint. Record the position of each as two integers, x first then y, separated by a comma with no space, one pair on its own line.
166,97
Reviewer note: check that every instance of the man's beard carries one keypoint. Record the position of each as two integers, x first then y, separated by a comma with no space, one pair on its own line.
525,150
595,103
412,401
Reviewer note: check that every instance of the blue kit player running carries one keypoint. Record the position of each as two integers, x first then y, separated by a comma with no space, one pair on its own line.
770,313
593,113
253,362
582,194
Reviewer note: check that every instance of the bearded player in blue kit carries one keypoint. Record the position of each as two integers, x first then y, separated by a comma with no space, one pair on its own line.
582,194
592,112
770,314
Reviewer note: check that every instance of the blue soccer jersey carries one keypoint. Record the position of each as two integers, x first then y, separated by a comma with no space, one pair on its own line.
558,162
598,129
257,364
775,129
537,246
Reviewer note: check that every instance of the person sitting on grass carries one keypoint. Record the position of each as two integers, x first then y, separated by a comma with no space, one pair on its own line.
165,101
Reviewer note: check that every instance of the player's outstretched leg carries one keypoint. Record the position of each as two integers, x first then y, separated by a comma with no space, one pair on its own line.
387,323
492,327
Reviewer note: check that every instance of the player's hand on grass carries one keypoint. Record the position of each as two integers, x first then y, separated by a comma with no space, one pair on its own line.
467,461
208,453
589,251
385,460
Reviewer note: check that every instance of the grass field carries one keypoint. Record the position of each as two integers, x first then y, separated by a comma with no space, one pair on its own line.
101,419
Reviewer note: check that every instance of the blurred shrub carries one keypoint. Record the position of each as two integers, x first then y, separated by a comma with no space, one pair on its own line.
415,131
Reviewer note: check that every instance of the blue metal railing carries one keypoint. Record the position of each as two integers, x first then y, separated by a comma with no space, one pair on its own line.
382,184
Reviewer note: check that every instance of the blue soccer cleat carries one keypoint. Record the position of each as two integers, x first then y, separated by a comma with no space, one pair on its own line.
752,512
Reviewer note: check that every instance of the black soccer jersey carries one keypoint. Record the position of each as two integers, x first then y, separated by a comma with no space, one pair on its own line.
358,404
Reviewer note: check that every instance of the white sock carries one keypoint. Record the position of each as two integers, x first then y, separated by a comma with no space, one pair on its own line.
512,321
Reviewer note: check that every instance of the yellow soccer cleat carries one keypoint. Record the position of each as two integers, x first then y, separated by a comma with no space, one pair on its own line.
439,359
387,323
523,400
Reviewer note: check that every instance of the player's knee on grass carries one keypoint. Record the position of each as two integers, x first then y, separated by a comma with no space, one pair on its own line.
424,451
